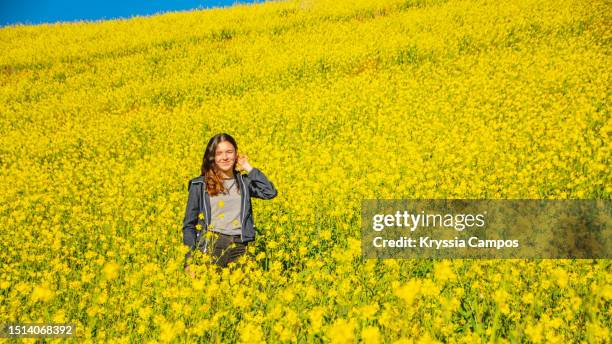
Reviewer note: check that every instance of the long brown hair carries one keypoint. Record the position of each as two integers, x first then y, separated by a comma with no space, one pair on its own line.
214,184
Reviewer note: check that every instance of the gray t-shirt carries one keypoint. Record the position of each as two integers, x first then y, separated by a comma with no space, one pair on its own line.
225,209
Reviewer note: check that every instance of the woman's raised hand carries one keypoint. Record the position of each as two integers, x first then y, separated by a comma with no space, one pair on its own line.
243,161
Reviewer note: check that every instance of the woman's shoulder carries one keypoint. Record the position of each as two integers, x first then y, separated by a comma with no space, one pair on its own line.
241,174
254,173
196,180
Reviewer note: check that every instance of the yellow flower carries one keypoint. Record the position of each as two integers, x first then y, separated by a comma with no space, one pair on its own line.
534,332
42,293
443,271
145,312
59,316
599,333
368,311
342,331
409,291
501,297
370,335
239,300
560,277
198,284
251,334
325,234
110,270
220,204
169,331
316,318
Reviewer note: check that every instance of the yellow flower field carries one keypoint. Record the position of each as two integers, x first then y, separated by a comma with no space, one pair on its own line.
103,124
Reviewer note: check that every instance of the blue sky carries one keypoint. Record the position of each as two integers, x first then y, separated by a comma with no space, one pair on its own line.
52,11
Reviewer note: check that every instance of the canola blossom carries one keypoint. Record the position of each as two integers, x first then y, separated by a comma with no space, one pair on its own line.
104,123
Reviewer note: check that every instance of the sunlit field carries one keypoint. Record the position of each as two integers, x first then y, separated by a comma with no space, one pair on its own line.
103,125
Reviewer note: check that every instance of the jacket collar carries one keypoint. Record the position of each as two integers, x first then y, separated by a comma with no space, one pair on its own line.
200,179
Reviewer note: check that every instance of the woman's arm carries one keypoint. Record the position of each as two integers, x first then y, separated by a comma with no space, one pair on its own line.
260,186
191,218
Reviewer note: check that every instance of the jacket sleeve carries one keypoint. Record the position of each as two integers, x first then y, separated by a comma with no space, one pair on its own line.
190,219
260,186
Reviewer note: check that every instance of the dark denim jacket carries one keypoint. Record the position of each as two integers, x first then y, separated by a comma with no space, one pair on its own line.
254,184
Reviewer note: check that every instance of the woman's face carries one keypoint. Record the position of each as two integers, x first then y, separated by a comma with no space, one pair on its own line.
225,156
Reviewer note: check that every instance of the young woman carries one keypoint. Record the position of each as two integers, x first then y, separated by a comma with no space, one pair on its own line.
220,203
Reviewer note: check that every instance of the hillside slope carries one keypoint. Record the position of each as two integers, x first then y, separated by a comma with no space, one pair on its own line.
103,124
